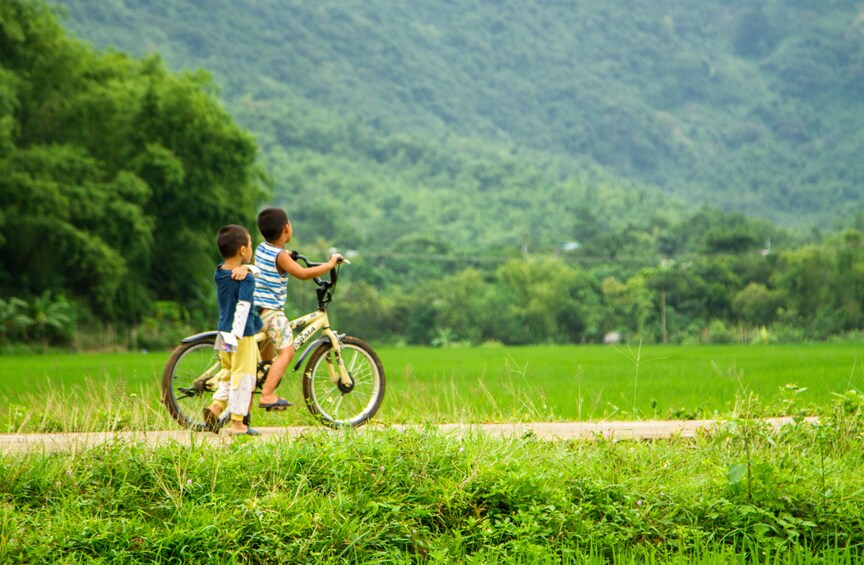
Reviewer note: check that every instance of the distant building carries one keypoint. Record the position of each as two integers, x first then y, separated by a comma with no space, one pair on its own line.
612,338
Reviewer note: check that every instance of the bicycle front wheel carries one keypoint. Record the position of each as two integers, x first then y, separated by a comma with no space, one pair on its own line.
330,400
189,380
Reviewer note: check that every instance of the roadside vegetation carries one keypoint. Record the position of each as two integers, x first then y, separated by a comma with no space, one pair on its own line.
738,493
470,234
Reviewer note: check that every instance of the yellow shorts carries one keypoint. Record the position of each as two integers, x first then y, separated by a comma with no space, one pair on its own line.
244,361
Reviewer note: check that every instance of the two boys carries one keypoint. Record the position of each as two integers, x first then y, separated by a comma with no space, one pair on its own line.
251,304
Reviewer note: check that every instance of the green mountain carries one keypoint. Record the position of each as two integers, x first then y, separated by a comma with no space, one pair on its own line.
122,169
751,107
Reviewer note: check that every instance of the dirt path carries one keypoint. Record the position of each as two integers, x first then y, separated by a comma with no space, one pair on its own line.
647,429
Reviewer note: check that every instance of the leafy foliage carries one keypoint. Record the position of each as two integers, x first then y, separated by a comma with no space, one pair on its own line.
754,108
115,171
505,174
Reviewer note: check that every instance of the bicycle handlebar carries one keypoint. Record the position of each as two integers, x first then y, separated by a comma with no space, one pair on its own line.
334,273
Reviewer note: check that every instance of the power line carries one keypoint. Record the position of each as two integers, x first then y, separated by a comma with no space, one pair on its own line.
568,257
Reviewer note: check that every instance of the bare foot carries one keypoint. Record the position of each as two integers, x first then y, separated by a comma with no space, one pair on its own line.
267,399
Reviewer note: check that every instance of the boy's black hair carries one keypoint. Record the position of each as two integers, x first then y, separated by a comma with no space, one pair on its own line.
230,239
271,222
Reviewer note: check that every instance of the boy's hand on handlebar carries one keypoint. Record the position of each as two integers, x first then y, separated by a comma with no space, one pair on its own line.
335,259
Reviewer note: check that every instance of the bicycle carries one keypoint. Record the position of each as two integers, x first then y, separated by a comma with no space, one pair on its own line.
343,380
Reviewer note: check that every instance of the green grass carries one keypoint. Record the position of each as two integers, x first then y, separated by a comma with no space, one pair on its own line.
739,493
419,496
591,382
57,391
20,373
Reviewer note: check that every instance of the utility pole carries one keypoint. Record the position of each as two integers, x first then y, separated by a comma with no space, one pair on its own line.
663,315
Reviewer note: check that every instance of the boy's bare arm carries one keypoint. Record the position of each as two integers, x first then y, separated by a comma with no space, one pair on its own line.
288,265
239,273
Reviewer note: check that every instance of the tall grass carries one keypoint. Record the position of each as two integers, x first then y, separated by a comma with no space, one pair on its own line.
391,496
94,405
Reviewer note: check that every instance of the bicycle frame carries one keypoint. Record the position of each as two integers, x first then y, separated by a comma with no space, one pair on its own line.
313,323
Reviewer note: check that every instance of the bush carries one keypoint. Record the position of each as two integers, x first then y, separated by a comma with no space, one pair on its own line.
786,333
718,332
740,490
165,325
46,320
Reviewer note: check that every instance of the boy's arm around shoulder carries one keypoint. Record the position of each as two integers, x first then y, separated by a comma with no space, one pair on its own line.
239,273
286,263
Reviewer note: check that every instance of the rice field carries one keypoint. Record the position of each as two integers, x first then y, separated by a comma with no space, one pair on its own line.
62,391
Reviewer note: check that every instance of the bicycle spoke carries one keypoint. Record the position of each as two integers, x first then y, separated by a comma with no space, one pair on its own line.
327,398
362,377
329,393
338,405
354,359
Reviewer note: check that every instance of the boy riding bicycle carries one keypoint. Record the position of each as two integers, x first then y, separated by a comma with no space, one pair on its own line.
343,381
276,266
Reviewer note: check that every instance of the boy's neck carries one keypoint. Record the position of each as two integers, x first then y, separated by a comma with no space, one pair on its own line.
232,263
280,243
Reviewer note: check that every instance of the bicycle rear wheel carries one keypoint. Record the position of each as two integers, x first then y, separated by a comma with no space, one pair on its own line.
189,380
332,402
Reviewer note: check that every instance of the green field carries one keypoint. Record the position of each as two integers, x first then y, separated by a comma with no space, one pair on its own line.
738,493
58,391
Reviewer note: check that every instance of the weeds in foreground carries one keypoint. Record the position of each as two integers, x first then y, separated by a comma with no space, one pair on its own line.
388,496
97,405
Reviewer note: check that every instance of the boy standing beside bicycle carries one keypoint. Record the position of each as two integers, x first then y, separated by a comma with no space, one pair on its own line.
238,324
276,265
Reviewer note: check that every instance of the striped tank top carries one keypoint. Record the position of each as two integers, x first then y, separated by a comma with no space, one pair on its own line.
271,288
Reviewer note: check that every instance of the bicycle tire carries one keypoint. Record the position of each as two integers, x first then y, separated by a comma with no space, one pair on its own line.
186,389
330,405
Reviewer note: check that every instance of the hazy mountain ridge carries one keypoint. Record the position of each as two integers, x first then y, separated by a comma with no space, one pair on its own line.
749,108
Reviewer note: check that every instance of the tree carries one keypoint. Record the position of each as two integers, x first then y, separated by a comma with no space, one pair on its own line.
50,319
117,173
757,305
12,318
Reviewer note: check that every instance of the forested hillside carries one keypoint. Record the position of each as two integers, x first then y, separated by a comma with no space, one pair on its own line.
478,216
750,107
114,174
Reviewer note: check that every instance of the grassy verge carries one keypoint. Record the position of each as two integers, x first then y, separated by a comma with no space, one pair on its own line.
738,494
